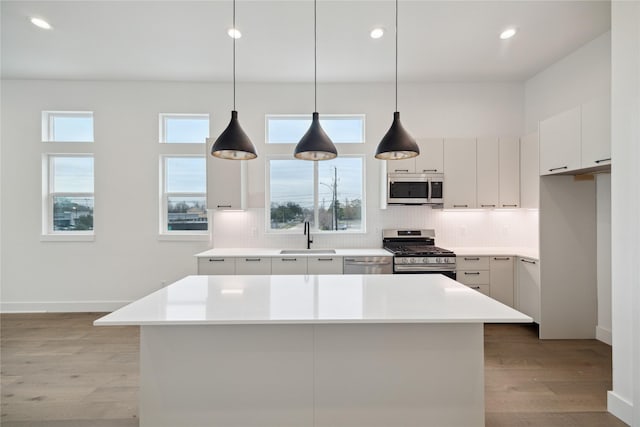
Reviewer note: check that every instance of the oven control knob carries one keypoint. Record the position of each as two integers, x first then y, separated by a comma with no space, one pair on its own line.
439,260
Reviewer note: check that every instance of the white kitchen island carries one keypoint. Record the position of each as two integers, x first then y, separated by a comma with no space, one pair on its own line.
312,350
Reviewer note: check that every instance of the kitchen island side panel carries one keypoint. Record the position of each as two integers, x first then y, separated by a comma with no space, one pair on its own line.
334,375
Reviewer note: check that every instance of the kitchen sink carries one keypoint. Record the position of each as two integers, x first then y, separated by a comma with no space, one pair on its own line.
307,251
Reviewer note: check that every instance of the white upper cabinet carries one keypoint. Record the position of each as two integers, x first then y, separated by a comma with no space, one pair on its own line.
529,172
509,173
560,142
596,132
226,184
430,159
460,173
488,172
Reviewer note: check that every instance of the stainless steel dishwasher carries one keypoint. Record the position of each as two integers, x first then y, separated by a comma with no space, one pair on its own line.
368,265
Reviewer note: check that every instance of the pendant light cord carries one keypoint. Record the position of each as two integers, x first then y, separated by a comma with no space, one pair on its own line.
396,55
315,57
234,55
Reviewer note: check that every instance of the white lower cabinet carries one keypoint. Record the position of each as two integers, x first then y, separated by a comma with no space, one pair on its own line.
324,265
289,265
527,299
253,265
473,271
501,279
216,265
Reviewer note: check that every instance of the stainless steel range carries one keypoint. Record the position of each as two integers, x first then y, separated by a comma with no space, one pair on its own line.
414,251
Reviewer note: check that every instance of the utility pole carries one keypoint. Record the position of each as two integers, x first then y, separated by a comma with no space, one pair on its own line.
335,197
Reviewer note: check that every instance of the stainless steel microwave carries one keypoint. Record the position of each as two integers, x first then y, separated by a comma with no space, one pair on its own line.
415,189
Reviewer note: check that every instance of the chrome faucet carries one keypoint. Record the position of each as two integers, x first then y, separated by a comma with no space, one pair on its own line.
307,232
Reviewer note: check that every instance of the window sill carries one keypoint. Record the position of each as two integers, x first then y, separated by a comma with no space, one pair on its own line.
183,237
67,237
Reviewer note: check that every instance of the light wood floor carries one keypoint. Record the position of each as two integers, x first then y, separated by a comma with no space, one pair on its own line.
60,371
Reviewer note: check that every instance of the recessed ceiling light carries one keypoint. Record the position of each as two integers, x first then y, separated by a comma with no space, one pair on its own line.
38,22
508,33
234,33
376,33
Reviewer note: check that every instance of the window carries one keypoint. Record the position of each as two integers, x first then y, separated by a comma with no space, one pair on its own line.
328,194
288,129
184,128
69,197
184,203
67,126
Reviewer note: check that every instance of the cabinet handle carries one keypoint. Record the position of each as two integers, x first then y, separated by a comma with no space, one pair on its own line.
509,206
401,170
472,259
527,261
471,273
224,206
603,160
429,170
252,259
216,259
288,259
324,259
557,169
460,206
475,287
487,206
504,258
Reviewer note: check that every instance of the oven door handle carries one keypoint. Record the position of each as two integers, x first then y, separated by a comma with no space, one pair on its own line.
430,268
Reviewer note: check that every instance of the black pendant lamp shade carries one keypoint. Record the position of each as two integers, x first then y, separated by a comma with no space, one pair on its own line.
233,143
397,144
315,144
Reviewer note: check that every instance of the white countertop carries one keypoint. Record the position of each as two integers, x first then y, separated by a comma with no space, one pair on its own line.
313,299
496,251
275,252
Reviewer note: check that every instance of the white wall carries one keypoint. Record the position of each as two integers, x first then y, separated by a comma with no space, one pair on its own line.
624,399
575,79
127,260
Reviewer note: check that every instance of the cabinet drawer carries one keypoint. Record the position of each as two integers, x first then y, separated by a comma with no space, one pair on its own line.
471,262
216,265
289,265
483,289
324,265
252,265
473,277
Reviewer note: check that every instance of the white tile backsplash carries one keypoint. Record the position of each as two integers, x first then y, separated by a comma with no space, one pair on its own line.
472,228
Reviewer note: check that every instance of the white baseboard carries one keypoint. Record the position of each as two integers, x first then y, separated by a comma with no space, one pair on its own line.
603,334
620,407
61,306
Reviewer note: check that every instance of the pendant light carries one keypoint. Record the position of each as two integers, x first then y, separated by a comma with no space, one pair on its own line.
397,144
315,144
233,143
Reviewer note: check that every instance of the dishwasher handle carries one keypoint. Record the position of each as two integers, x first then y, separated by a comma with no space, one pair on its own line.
352,261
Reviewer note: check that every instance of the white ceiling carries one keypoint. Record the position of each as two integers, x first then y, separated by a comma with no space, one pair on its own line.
187,41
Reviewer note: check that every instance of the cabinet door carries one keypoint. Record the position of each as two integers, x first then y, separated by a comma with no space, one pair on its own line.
528,288
509,182
226,184
473,277
431,158
488,172
460,173
399,166
324,265
289,265
501,274
216,265
253,265
596,132
529,172
560,142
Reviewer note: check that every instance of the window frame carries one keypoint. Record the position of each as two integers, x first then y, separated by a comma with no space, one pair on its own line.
162,128
316,184
164,232
322,118
49,195
48,125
